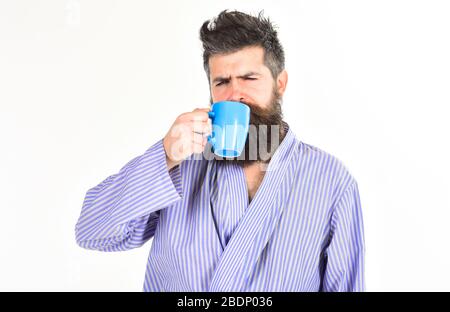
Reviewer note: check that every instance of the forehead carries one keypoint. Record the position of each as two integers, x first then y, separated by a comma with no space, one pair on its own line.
245,60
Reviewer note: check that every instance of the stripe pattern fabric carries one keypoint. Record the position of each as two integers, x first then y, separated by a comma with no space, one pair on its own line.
302,231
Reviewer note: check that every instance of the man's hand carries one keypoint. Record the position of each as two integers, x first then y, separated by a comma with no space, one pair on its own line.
187,135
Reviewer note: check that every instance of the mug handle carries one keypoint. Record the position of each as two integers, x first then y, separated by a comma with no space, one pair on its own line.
211,138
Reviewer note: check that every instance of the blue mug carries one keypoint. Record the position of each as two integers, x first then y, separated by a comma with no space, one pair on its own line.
230,123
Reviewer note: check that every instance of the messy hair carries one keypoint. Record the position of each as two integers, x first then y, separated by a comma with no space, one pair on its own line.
232,31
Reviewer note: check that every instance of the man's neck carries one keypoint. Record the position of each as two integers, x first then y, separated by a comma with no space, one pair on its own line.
254,174
255,171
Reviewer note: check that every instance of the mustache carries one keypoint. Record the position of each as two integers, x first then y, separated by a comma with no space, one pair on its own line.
266,116
265,122
260,115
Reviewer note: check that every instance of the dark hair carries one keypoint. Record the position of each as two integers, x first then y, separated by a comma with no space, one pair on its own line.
233,31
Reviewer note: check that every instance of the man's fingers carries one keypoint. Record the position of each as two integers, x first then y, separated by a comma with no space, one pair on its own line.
201,127
199,114
198,138
197,147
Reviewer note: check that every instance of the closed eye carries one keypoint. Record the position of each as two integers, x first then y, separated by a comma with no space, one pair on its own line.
226,81
220,83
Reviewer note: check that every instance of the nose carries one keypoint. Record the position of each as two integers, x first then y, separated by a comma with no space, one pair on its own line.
236,93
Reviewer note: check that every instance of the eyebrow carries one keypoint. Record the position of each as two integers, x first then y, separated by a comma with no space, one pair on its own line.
219,79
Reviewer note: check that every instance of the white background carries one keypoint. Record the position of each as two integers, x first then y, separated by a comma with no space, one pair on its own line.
85,86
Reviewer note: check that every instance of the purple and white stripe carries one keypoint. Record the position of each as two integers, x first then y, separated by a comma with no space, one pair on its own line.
303,230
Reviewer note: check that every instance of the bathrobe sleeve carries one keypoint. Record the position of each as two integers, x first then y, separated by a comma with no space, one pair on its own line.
122,212
344,270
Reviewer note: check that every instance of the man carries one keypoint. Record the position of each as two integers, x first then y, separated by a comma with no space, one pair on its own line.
288,221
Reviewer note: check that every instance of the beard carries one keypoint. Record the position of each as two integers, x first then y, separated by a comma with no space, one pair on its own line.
266,132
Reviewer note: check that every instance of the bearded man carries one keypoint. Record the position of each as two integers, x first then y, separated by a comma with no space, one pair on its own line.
283,216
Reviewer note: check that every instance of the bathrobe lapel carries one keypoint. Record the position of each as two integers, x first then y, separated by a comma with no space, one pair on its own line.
257,224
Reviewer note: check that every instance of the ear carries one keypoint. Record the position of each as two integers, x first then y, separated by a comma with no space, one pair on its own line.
282,80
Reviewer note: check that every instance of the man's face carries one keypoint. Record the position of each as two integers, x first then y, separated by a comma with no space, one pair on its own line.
242,77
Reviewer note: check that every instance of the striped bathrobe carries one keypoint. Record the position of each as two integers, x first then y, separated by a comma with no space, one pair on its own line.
302,231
